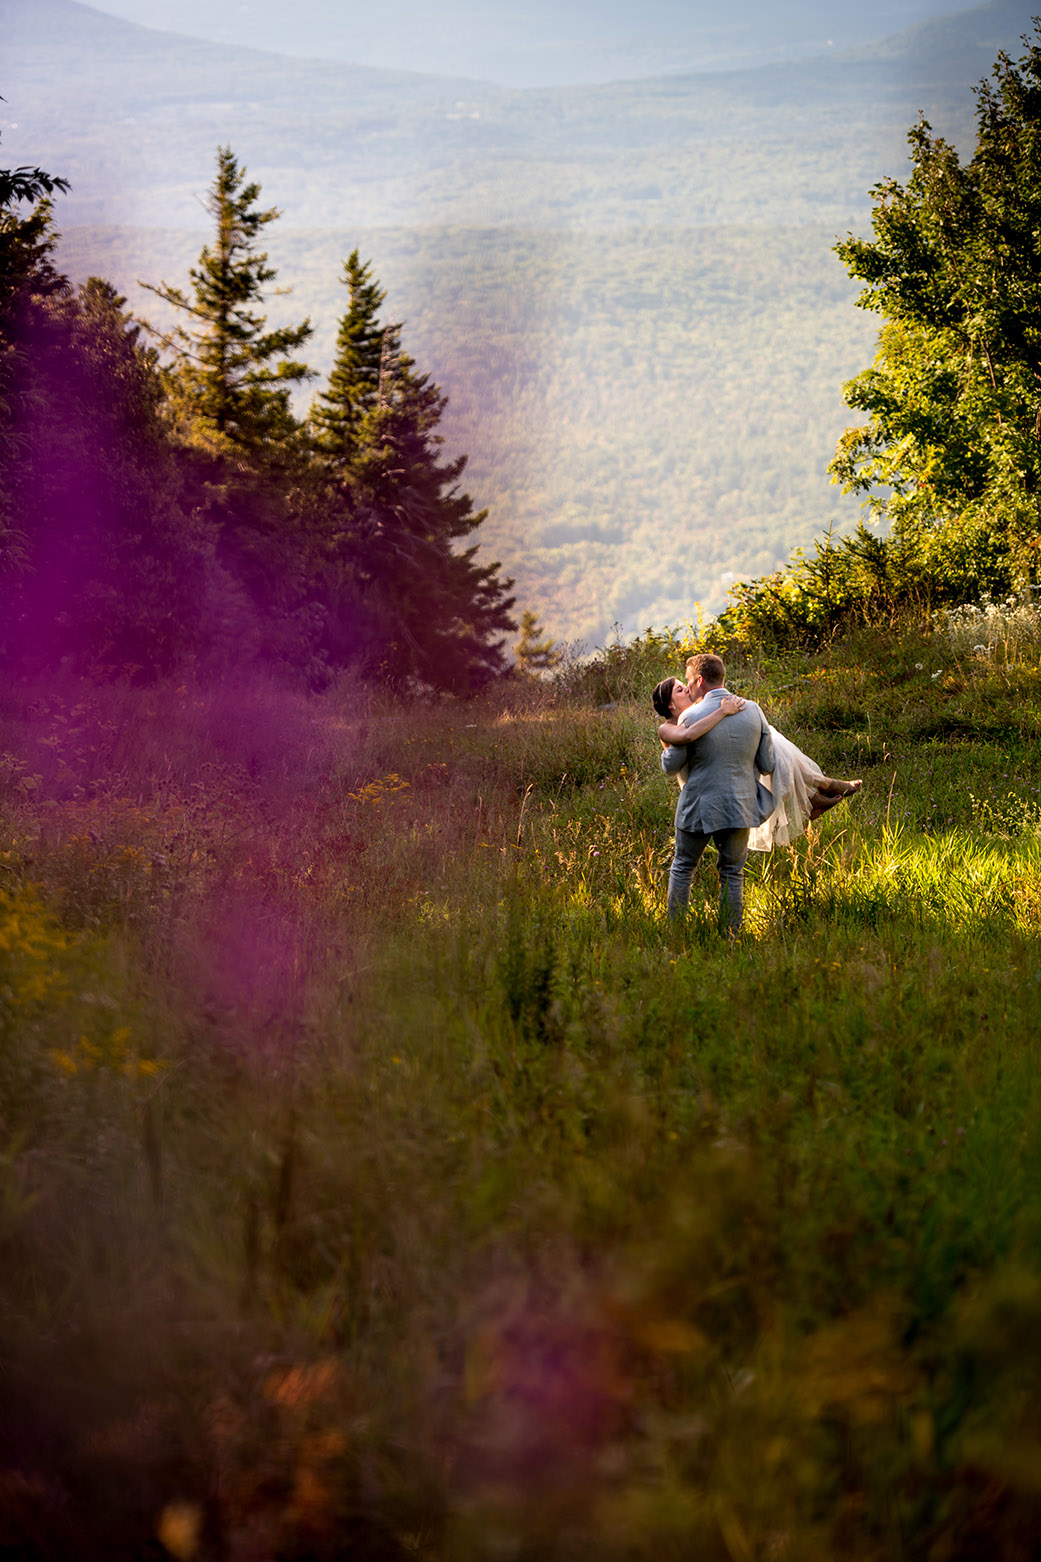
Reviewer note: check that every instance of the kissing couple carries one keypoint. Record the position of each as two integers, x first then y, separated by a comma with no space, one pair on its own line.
743,785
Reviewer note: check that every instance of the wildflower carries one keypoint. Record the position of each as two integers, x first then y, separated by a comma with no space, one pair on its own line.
936,674
178,1529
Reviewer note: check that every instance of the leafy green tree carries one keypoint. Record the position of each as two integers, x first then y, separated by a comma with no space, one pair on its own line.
28,184
534,652
26,242
953,439
231,378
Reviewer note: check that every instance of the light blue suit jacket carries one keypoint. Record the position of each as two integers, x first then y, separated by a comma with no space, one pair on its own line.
723,791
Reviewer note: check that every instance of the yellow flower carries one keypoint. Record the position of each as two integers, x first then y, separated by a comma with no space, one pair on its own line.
178,1529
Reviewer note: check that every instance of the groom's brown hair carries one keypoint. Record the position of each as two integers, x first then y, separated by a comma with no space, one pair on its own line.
709,666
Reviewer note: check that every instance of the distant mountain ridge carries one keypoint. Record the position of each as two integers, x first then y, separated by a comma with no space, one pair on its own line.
542,43
132,116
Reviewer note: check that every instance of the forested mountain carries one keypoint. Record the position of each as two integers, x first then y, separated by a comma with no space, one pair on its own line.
542,43
626,291
133,116
647,415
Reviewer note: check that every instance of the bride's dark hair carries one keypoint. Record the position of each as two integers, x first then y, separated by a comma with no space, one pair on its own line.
661,699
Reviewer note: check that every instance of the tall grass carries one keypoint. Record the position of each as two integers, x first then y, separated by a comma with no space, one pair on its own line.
382,1175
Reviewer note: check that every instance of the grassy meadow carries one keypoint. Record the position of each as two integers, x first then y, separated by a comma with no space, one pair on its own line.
381,1176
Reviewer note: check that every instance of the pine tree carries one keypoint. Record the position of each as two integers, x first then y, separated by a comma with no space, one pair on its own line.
231,378
28,280
93,485
534,652
439,608
422,608
353,388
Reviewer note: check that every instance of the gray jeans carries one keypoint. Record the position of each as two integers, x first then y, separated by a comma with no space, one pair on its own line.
731,849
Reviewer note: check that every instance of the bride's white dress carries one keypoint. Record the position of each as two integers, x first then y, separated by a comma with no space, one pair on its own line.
795,777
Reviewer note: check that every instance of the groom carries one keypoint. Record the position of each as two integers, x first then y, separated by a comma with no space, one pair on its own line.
723,798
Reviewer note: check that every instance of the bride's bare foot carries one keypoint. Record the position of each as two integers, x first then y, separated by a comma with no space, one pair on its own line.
829,792
831,787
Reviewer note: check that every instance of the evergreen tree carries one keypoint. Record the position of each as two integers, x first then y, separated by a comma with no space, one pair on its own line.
419,606
231,378
28,278
953,441
26,243
93,485
438,608
229,381
534,652
353,388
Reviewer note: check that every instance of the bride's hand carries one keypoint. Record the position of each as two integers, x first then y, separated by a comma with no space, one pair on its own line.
730,704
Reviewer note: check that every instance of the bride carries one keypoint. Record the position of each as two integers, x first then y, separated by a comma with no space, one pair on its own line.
801,790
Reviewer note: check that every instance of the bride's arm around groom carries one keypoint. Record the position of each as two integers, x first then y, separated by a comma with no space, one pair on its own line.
724,799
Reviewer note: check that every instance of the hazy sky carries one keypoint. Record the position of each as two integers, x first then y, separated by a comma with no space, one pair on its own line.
543,42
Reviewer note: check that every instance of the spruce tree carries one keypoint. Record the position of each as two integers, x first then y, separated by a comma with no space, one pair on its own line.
229,380
534,652
231,377
440,608
353,387
93,486
423,607
28,281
